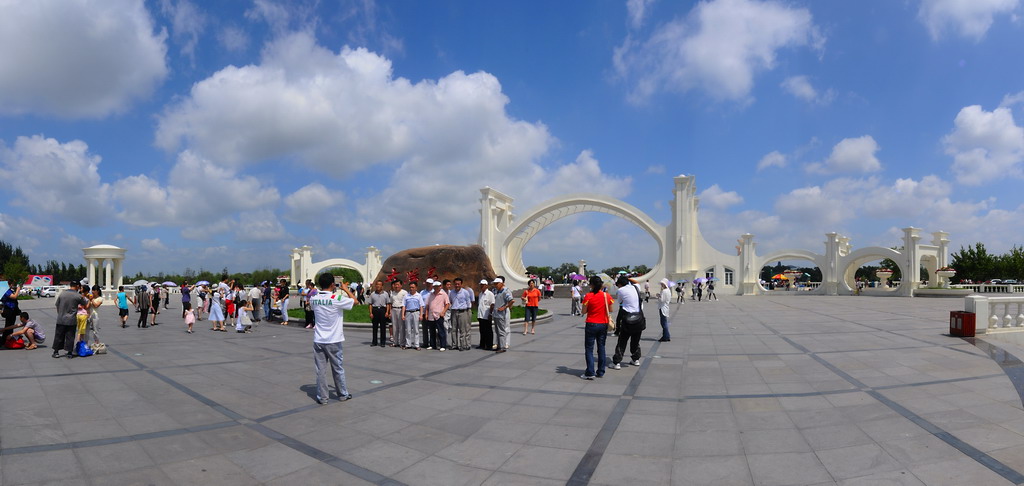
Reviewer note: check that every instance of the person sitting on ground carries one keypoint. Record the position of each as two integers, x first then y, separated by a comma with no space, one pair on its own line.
30,330
244,322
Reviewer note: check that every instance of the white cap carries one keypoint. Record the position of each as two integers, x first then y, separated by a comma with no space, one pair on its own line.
484,281
430,281
437,284
498,280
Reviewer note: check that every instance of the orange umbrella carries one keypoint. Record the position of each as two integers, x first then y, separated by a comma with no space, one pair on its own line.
780,276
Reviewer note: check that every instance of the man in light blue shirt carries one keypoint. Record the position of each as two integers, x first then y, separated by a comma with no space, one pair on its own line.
122,305
462,303
411,316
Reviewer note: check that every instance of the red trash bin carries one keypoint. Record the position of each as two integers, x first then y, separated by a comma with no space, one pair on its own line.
962,324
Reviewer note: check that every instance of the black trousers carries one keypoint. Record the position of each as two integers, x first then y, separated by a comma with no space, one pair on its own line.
486,333
143,314
63,338
10,315
380,325
633,338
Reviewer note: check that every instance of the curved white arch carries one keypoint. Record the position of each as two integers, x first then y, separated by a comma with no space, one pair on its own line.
849,264
317,267
793,254
554,209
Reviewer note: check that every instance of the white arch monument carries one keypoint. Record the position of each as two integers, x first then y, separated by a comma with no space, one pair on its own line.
108,257
683,251
685,254
303,267
840,262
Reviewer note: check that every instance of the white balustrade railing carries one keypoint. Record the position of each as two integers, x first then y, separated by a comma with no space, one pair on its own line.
991,288
995,314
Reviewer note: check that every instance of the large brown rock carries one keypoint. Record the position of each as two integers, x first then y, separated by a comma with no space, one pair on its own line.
442,261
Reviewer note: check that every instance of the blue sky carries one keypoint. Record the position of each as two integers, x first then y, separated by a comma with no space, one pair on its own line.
205,134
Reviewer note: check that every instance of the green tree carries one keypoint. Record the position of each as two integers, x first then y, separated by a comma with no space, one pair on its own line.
1011,264
614,270
564,269
347,274
974,263
642,269
810,274
16,270
538,271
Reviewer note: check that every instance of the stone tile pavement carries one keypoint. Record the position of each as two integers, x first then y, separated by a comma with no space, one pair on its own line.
777,390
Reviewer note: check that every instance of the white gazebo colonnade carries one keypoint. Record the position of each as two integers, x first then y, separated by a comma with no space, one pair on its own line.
110,259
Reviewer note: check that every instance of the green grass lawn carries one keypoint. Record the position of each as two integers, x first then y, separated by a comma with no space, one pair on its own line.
361,313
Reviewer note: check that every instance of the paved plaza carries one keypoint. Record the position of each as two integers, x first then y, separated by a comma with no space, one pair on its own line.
774,390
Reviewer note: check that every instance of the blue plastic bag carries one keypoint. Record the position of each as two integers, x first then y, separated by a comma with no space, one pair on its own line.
83,349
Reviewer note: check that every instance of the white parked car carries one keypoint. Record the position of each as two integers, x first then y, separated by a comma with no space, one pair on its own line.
49,291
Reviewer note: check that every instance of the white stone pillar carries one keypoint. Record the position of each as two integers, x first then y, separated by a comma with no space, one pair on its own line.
748,275
107,264
118,275
911,278
830,274
91,273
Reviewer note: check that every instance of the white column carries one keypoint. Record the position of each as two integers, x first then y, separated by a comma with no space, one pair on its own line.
117,274
91,273
107,264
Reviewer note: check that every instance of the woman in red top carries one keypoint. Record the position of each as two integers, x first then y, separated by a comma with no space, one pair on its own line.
531,300
597,305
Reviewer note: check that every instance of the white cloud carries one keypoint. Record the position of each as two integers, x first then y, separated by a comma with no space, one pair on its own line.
77,58
233,39
772,159
23,232
153,245
197,197
571,239
257,226
1012,99
968,18
50,177
985,145
187,24
715,197
718,48
637,12
72,242
388,214
365,25
800,87
306,205
856,207
850,155
655,169
340,112
283,17
337,113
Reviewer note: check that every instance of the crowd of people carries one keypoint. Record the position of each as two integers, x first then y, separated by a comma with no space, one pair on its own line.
424,318
435,317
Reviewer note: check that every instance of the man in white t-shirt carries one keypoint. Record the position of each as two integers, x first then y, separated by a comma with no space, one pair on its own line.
576,296
256,297
329,306
664,297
